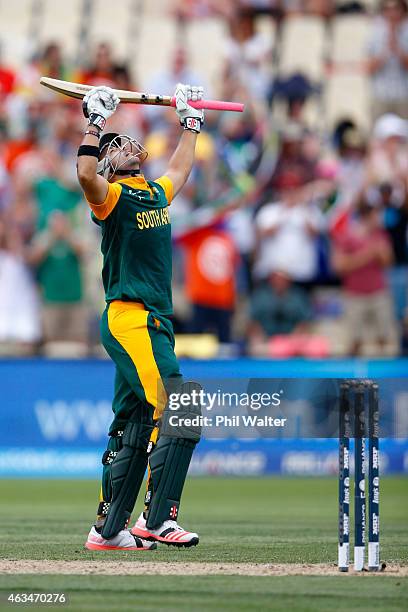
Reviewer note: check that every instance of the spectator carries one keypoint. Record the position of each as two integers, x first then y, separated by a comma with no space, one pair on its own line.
248,55
393,204
102,68
178,72
5,182
361,257
287,234
294,90
7,79
19,312
294,163
210,266
56,254
165,81
387,160
278,307
51,62
48,61
388,59
352,150
22,212
52,191
26,143
240,143
131,115
280,317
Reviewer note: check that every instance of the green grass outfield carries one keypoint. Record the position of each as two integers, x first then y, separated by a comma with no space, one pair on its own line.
269,520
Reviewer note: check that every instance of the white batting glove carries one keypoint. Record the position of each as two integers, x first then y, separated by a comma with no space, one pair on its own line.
99,104
190,118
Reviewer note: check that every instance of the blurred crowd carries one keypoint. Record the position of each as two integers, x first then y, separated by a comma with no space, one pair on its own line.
289,239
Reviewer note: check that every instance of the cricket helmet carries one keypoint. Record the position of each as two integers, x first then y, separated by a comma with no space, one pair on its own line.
118,154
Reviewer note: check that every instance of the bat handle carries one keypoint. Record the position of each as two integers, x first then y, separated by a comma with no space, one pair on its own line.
214,105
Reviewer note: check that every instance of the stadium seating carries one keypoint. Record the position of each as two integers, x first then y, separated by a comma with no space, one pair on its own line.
346,93
349,39
302,47
304,44
117,23
60,23
15,19
155,9
347,96
206,37
266,25
154,46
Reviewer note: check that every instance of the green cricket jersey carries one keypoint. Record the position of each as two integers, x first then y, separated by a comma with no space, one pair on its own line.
136,242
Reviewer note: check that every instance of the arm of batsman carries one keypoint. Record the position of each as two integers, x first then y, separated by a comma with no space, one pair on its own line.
183,94
101,101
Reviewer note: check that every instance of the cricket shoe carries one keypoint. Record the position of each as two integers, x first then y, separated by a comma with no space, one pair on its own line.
169,533
124,540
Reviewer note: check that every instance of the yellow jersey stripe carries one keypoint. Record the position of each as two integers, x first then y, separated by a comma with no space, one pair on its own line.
167,185
101,211
139,182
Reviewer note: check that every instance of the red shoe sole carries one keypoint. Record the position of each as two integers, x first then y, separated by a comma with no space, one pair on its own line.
140,533
146,535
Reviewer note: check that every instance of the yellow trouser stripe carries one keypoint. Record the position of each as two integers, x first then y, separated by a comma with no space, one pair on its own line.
127,323
154,435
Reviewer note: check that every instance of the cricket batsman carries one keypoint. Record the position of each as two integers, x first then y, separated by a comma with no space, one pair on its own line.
135,327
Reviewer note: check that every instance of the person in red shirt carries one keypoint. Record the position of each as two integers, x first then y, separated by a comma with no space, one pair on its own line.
7,79
361,256
102,69
210,267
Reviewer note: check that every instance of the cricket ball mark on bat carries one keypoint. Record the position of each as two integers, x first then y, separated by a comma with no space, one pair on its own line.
78,90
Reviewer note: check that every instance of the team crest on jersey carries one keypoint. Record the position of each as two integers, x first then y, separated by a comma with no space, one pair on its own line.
138,194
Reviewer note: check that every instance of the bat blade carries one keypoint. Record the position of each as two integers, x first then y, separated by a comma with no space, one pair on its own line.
78,90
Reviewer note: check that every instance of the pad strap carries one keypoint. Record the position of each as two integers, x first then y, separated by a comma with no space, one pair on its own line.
108,457
103,508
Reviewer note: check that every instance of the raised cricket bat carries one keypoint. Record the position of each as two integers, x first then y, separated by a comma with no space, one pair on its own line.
77,90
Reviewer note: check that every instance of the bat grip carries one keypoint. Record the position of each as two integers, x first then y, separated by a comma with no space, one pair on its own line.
214,105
